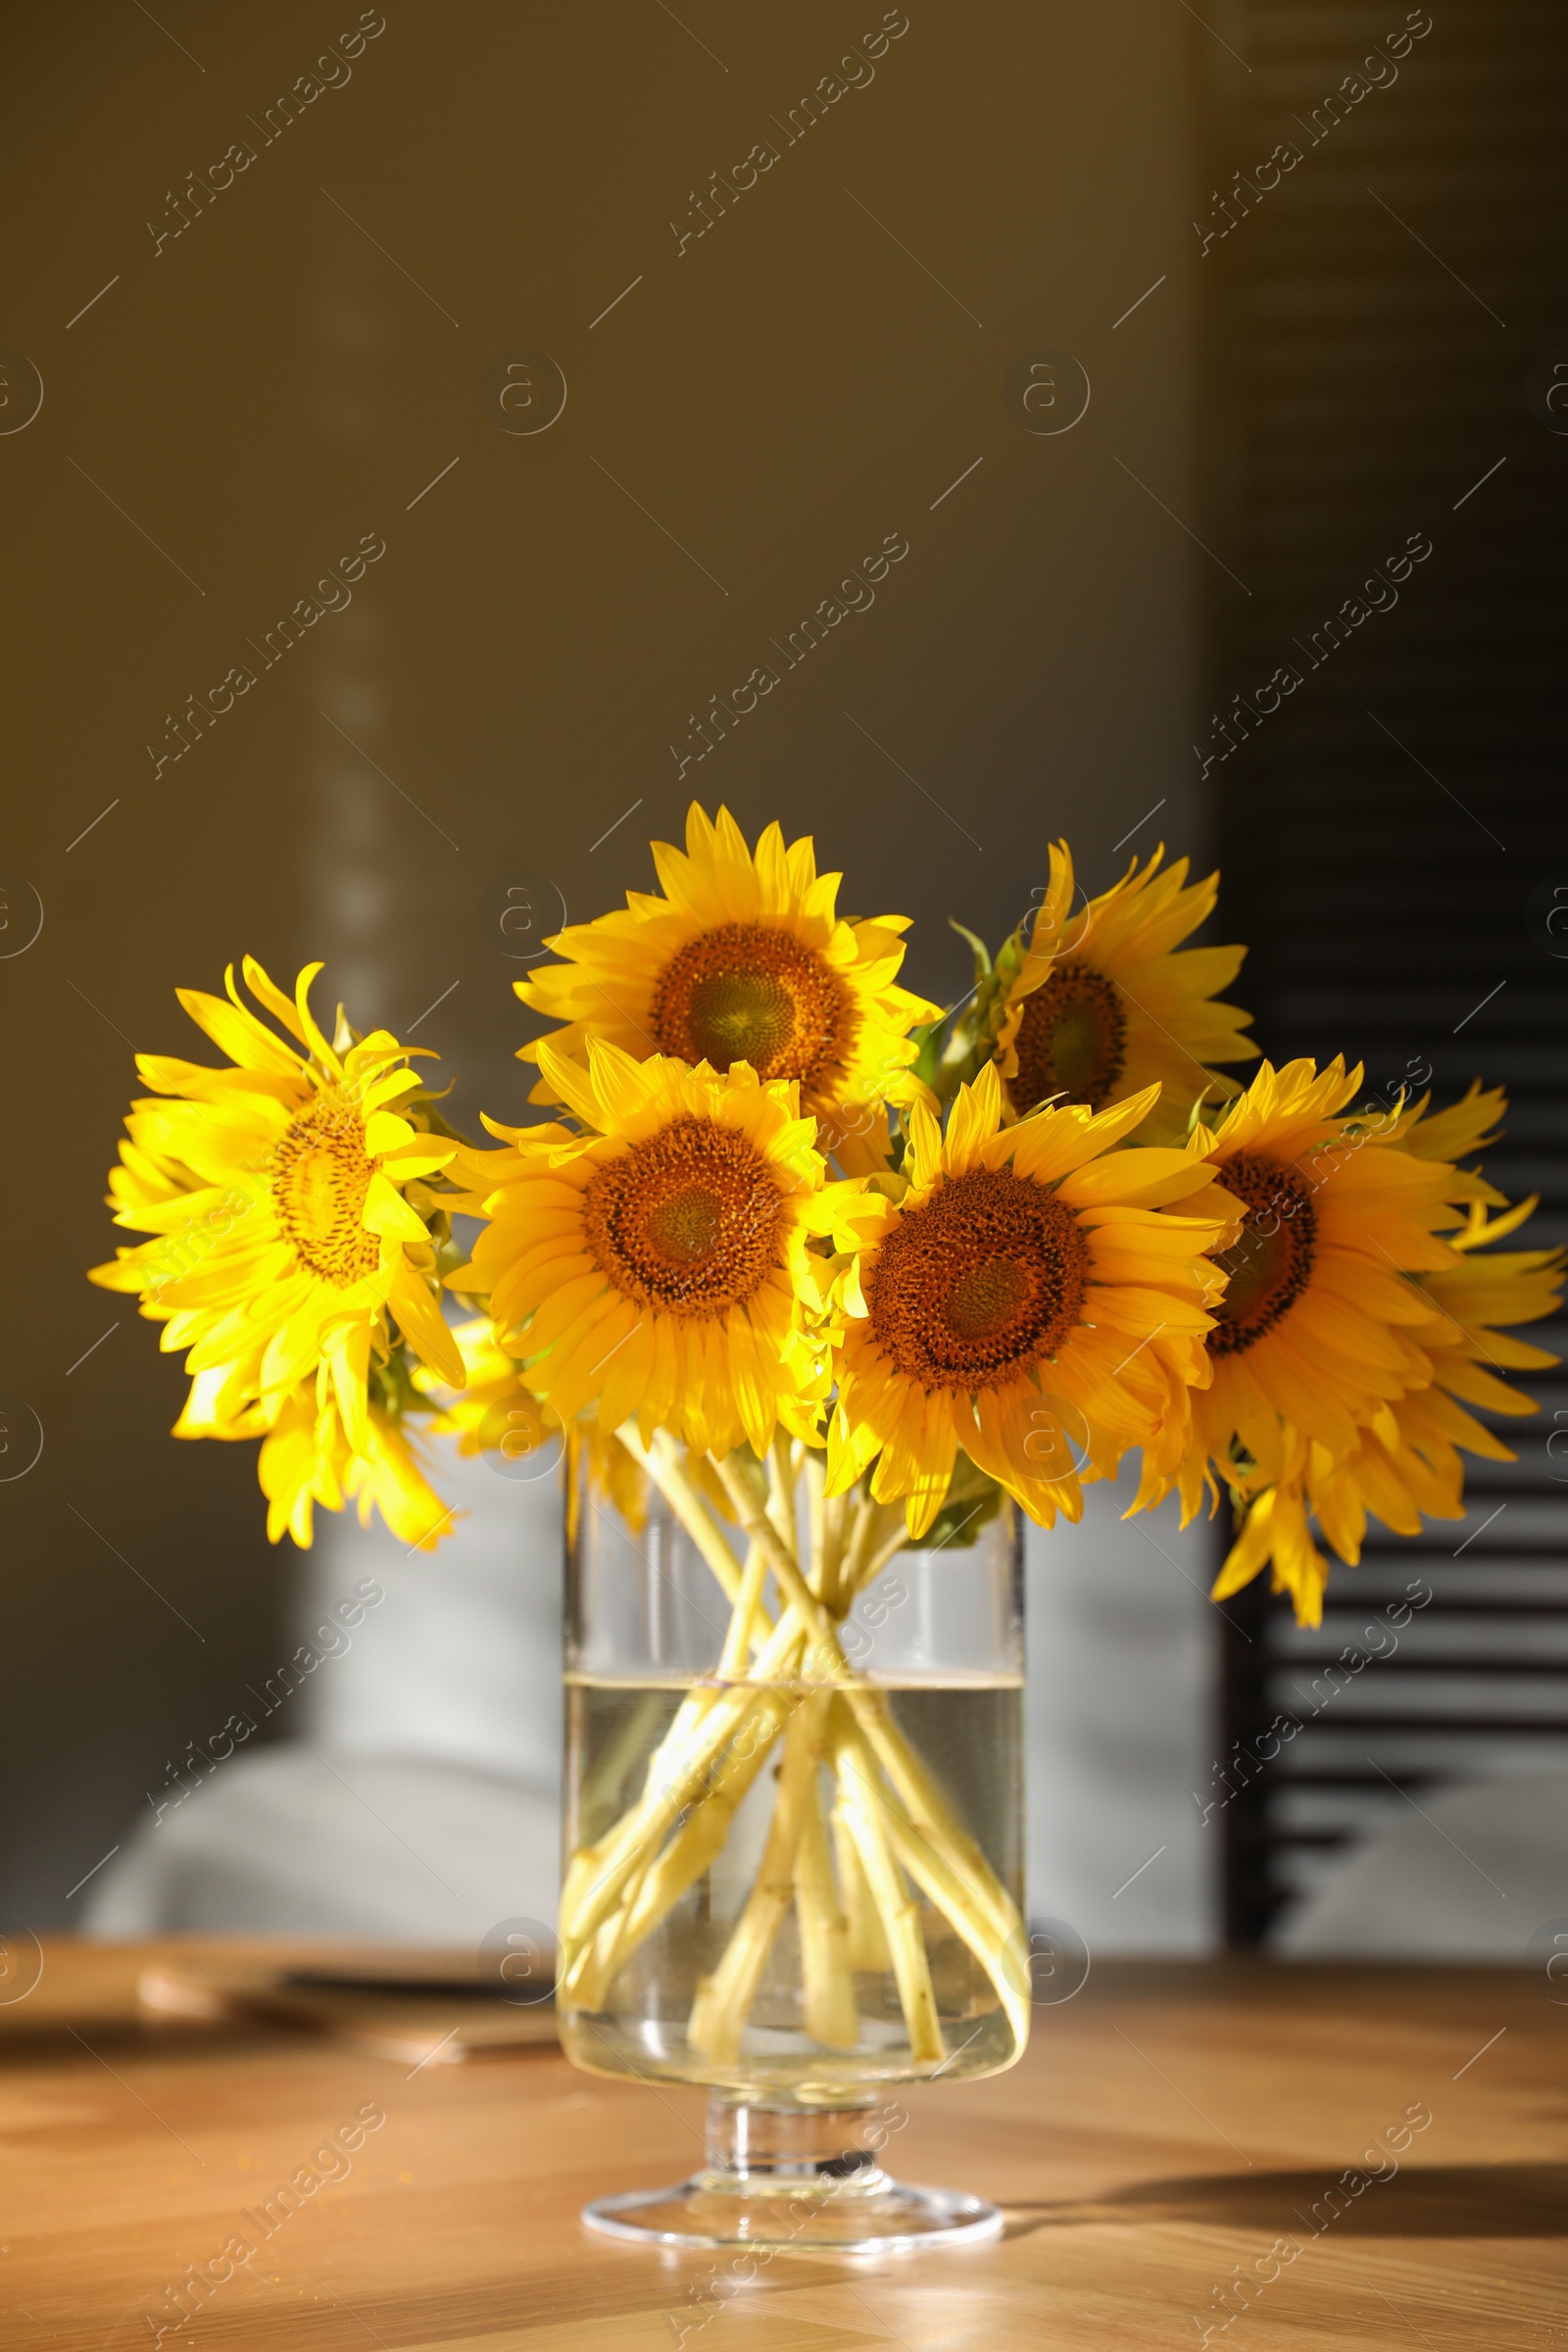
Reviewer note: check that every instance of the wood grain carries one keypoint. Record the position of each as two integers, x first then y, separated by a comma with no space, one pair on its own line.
1170,2123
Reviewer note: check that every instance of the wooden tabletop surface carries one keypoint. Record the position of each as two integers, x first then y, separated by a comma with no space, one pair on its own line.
1174,2130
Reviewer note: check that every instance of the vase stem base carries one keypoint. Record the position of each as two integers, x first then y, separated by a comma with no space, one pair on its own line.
801,2180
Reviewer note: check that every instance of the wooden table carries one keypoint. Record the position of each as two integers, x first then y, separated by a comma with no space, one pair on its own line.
1168,2128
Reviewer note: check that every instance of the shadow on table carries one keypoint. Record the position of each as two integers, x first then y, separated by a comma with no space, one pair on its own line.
1482,2200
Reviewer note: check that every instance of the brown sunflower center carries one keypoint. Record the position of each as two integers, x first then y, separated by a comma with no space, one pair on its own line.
979,1283
1072,1040
686,1226
321,1175
746,991
1270,1265
689,1222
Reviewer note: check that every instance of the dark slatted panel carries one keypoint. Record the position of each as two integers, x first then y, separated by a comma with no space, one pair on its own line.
1383,829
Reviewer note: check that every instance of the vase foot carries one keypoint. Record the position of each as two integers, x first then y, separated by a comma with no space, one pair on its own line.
690,2216
782,2179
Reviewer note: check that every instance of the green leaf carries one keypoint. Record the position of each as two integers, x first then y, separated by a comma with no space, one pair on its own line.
982,954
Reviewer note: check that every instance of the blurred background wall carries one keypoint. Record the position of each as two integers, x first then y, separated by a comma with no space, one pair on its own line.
309,362
964,307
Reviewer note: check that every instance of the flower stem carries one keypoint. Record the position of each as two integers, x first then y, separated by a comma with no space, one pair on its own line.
864,1816
868,1945
889,1819
703,1726
827,1984
679,1490
960,1884
928,1816
736,1655
660,1879
870,1542
724,1999
825,1660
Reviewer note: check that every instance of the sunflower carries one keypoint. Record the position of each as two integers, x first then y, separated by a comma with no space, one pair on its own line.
307,1459
495,1411
1320,1324
744,959
1103,1005
1029,1289
1406,1464
660,1263
285,1195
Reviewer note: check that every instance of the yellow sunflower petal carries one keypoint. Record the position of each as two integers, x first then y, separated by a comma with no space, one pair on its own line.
661,1264
983,1282
1106,1000
742,960
280,1227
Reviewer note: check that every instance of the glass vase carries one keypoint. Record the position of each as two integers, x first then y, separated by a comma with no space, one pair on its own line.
794,1876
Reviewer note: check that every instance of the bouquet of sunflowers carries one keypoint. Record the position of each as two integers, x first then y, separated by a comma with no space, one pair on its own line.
825,1265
